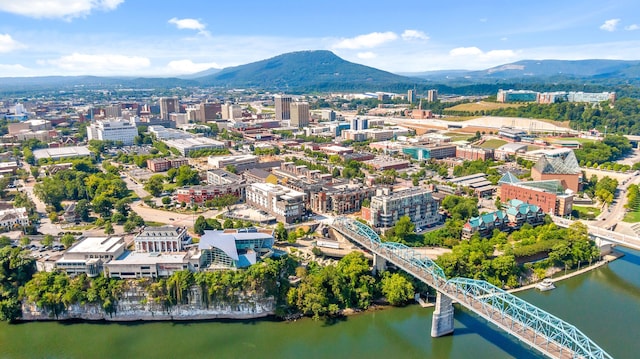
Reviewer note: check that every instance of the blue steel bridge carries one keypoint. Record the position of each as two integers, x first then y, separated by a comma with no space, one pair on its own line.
544,332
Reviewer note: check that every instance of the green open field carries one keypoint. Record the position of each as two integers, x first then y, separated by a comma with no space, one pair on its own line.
493,143
632,217
458,136
482,105
577,139
584,212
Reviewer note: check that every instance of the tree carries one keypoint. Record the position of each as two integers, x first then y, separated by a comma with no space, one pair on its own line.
187,176
47,240
166,200
200,225
25,241
228,223
226,200
67,240
108,228
83,209
396,288
155,185
280,232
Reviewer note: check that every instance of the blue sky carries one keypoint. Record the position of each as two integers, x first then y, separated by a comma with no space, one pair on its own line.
163,37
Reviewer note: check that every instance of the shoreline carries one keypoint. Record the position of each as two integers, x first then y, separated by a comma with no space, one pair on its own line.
606,259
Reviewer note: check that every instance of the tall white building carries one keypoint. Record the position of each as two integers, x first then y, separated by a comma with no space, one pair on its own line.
117,130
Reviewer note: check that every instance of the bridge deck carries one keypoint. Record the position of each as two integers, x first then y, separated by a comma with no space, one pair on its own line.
546,333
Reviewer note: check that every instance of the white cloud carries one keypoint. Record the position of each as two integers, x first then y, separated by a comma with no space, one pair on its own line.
366,41
100,64
414,35
500,54
367,55
8,44
189,24
610,25
189,67
65,9
465,51
14,70
632,27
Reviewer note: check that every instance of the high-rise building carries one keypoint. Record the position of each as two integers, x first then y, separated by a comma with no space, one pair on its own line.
208,111
358,124
432,95
168,105
411,96
283,107
299,114
113,111
116,130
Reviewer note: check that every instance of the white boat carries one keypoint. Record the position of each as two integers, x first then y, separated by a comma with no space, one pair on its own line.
546,284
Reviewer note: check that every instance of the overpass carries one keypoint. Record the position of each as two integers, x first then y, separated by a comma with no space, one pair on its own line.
544,332
601,235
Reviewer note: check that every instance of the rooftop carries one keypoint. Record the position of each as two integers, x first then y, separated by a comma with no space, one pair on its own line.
97,244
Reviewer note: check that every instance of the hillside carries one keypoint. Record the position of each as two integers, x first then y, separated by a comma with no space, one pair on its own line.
306,71
593,71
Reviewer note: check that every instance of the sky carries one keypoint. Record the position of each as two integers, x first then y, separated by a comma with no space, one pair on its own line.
168,38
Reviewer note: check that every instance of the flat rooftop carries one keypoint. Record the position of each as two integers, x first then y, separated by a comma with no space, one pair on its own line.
150,258
97,244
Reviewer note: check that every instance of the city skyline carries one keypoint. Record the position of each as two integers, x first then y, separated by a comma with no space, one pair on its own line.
146,38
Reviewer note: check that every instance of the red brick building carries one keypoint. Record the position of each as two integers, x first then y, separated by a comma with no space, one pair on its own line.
474,153
201,194
164,164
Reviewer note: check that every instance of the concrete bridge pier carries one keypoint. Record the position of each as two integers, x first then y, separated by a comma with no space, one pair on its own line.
442,323
379,264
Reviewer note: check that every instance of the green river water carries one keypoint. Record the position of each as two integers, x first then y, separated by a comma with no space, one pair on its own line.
604,304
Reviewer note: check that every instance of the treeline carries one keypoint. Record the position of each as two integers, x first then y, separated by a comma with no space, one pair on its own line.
16,269
551,245
622,118
321,291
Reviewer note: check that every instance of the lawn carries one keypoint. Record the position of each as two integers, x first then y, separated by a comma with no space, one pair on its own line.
583,212
458,136
632,217
493,143
482,106
577,139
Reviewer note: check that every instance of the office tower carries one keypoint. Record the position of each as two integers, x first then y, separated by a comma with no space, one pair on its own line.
411,96
209,111
299,114
432,95
168,105
283,107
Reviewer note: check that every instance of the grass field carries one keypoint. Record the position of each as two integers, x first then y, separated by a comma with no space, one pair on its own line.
583,212
632,217
493,143
577,139
482,105
458,136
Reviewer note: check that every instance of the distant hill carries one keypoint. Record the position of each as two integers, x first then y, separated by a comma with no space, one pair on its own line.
545,70
204,73
306,71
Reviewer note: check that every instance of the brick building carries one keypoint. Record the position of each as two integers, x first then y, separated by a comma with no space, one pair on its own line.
164,164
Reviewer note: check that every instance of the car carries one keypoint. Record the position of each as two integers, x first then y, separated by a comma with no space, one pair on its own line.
172,219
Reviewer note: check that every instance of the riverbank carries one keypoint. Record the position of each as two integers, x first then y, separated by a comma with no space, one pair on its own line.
605,260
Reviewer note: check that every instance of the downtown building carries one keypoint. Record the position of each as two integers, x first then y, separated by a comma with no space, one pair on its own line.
387,207
299,114
283,107
115,130
285,204
162,239
549,195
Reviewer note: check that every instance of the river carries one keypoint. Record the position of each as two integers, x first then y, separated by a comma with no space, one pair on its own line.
603,303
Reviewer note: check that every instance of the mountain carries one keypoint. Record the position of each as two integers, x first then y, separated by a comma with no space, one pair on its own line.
546,70
319,70
204,73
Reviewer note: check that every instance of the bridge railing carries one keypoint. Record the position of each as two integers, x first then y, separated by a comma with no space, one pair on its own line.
551,329
493,301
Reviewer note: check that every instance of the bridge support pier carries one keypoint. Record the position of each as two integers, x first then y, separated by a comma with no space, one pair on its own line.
442,323
379,264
